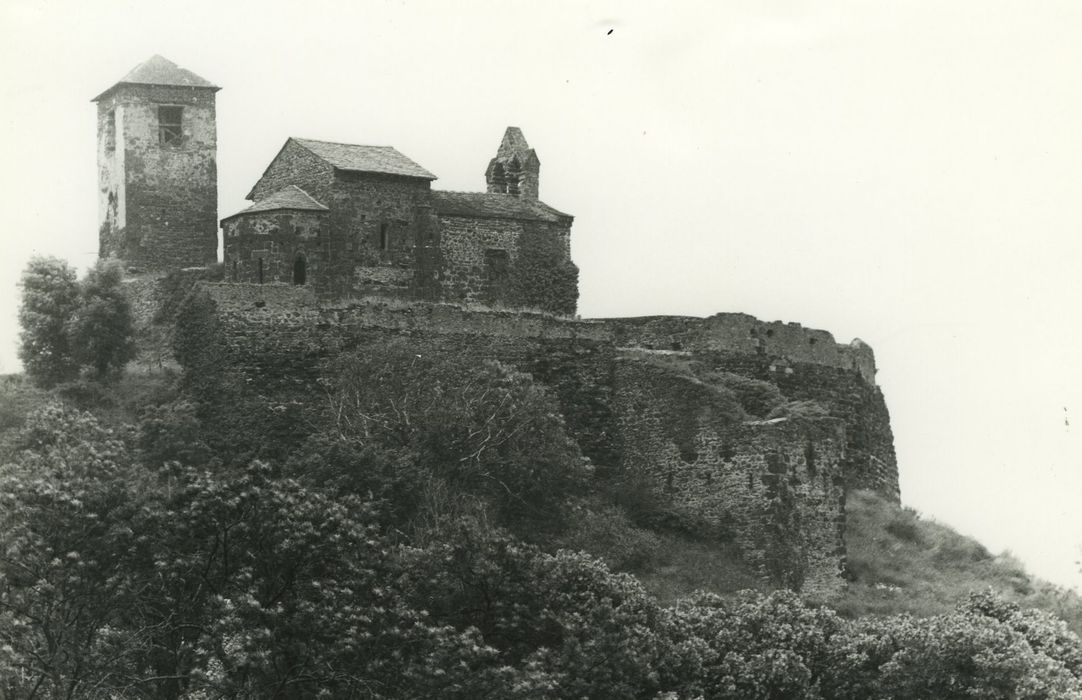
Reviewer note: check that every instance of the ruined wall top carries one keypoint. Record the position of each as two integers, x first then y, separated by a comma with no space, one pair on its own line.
725,332
744,334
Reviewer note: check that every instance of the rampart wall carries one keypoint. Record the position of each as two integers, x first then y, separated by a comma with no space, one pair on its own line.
775,488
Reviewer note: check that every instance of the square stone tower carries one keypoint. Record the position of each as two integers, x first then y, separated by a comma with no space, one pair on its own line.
157,169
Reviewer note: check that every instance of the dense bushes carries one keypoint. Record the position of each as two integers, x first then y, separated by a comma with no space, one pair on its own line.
123,574
483,432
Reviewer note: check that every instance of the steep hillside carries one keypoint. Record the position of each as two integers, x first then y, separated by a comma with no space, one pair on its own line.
902,563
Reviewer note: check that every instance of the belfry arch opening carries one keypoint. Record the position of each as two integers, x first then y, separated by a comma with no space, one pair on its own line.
300,269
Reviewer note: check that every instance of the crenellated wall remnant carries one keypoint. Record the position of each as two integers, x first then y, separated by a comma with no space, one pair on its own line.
745,335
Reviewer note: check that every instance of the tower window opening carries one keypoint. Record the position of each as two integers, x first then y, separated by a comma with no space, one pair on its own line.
300,269
110,131
261,270
170,130
384,237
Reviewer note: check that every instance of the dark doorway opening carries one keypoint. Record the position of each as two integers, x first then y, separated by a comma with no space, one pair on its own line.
300,269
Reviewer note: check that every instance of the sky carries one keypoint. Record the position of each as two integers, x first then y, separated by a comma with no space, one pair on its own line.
909,173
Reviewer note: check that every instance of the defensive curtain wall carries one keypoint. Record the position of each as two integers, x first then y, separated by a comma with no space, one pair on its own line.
775,487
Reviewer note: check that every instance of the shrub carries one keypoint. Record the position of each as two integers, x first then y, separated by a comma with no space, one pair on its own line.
606,532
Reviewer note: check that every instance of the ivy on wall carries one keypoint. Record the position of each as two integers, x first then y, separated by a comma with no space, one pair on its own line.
543,276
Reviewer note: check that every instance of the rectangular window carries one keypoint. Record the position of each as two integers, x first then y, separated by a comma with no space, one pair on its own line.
170,130
497,264
110,131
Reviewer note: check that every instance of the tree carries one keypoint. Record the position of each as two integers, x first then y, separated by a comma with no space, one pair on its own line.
101,331
50,297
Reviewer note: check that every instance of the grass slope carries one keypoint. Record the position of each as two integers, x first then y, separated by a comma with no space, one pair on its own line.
901,563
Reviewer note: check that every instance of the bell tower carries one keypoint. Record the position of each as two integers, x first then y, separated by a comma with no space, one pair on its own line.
157,169
515,169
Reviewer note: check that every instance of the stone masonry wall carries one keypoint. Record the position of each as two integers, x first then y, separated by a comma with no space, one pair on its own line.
158,203
774,487
295,165
478,255
276,238
870,461
744,334
378,230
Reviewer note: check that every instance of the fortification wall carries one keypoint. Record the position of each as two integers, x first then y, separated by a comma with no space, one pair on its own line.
775,488
746,335
282,342
286,327
154,298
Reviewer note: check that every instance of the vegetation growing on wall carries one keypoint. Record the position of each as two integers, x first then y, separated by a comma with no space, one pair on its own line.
543,276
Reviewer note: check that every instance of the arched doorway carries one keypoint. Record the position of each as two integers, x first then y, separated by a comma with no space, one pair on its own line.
300,269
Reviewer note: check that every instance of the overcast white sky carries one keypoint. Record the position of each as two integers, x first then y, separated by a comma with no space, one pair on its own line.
905,172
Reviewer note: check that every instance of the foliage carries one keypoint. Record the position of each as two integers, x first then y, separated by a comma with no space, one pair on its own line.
101,331
605,532
135,562
484,430
67,324
171,432
594,633
170,580
50,296
752,647
543,276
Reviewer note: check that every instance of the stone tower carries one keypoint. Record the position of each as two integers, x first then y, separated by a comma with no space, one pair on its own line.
515,169
157,170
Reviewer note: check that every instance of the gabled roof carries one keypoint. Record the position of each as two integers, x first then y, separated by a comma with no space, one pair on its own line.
157,70
494,206
365,159
290,197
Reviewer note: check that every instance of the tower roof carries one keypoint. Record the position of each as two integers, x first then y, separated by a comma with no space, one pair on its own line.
514,145
158,70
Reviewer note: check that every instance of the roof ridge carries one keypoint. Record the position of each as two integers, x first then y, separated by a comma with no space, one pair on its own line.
341,143
502,194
